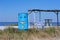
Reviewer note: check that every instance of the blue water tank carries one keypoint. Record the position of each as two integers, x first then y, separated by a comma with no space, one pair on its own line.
23,21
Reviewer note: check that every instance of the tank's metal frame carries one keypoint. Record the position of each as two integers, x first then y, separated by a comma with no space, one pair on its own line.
55,11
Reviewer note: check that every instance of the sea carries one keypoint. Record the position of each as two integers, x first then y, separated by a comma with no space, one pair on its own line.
7,23
31,23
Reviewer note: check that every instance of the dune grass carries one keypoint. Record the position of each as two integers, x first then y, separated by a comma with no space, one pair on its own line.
16,34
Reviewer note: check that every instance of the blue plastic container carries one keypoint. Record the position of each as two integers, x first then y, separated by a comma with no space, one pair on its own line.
23,21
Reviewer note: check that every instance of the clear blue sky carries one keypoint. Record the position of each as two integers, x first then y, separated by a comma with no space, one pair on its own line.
9,9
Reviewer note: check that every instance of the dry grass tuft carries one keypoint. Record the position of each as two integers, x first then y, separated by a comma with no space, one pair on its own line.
30,34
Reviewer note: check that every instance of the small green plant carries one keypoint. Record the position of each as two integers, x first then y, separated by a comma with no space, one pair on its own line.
50,30
1,32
